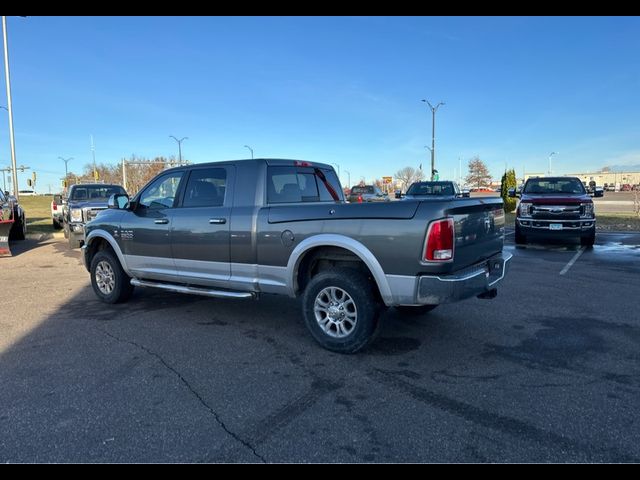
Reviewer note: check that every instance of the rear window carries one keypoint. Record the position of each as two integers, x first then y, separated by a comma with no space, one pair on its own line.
554,186
301,184
91,192
444,188
361,190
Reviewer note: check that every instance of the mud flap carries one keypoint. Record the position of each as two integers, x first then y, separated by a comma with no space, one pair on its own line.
5,228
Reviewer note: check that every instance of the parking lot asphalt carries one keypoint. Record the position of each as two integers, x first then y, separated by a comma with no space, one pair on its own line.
549,371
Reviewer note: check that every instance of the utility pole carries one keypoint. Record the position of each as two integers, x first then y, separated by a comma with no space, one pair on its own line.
433,133
179,147
10,107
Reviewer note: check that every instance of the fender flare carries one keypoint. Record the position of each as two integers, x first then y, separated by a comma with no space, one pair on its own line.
341,241
114,245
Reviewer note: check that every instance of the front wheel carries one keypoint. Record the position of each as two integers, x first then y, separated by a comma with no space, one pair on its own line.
341,310
520,238
589,240
109,281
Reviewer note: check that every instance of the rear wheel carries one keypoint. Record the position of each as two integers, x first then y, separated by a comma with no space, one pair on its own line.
415,310
109,281
341,310
56,224
19,229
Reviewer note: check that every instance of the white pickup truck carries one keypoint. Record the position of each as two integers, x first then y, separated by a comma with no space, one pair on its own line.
56,211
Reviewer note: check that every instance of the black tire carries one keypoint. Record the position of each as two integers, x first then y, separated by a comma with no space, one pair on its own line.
66,231
361,291
19,229
121,288
520,239
415,310
589,240
56,224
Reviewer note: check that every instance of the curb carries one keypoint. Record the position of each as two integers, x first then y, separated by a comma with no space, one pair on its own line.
41,237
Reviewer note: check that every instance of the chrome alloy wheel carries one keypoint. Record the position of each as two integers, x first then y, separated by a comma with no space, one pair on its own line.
335,312
105,277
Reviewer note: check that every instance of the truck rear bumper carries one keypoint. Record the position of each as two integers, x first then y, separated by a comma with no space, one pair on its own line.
436,289
470,282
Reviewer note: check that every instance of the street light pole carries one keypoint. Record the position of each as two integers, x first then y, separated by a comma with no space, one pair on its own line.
66,172
433,133
10,107
338,170
349,177
551,155
179,147
251,150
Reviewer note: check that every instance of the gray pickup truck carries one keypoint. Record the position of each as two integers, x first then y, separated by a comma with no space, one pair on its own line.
243,228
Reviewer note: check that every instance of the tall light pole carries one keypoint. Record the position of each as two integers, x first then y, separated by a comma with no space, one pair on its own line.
349,177
10,107
179,147
251,150
338,170
551,155
433,133
66,171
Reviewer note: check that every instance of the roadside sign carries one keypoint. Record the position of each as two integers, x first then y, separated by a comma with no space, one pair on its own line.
387,180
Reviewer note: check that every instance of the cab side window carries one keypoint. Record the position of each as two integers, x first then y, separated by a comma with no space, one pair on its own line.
161,193
206,188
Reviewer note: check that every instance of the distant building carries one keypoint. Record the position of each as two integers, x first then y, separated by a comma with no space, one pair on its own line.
610,178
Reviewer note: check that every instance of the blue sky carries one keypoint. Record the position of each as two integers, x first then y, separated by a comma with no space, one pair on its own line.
338,90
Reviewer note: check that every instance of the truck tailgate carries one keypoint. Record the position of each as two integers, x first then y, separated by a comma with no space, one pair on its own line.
479,229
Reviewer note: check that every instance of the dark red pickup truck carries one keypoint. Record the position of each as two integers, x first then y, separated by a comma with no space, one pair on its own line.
554,207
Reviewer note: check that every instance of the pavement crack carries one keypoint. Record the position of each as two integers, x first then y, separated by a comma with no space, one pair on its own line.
193,391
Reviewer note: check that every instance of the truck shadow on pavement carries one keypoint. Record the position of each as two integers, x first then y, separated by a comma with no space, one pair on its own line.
167,377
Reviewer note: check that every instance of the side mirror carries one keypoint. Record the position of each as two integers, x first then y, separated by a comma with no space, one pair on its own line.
513,193
118,201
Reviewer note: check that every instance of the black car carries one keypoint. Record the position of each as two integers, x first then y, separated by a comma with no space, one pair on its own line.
83,203
551,207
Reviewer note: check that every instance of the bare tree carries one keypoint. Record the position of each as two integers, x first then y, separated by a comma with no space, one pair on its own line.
408,175
479,175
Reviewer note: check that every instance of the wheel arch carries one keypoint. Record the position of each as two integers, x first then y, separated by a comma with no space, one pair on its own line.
312,244
96,240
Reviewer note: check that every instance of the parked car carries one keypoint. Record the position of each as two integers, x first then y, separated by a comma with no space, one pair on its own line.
434,190
241,228
366,194
625,187
13,222
555,206
83,203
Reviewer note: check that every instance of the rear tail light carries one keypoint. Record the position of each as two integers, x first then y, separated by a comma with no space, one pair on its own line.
359,198
54,206
440,241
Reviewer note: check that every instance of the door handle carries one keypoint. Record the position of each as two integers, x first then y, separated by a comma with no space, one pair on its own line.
161,221
217,221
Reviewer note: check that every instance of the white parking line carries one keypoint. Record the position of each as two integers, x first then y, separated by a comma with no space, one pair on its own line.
572,261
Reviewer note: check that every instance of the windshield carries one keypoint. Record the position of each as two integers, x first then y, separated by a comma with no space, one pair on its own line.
431,188
554,186
99,192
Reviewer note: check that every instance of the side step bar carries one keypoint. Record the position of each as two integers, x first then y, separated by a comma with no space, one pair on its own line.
192,290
